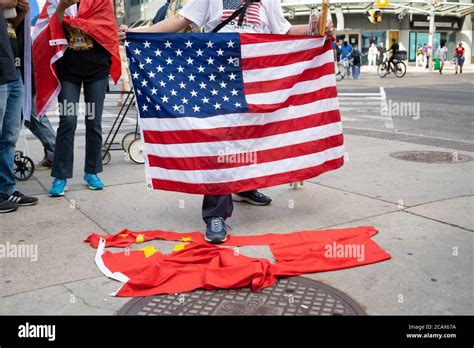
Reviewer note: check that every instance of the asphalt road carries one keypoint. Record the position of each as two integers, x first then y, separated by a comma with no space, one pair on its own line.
440,108
446,106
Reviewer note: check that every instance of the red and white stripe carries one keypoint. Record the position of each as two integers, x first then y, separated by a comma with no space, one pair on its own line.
293,126
252,14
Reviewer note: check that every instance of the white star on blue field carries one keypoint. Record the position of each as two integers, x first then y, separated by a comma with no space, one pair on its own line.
186,75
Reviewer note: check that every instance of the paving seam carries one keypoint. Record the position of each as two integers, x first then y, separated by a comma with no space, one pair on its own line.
49,286
440,221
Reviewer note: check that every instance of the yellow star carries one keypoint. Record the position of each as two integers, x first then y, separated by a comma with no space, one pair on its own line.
179,247
149,251
123,235
186,239
140,239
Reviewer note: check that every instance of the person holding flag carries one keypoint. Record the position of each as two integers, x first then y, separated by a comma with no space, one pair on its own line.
265,16
85,51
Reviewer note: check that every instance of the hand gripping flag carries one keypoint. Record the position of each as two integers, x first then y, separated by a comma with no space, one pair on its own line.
226,113
198,264
95,18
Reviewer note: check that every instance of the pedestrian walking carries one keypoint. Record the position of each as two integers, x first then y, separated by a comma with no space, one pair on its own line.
381,54
459,58
372,54
356,59
420,56
442,54
427,55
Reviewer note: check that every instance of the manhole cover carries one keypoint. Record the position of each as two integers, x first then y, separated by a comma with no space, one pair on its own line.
431,156
289,296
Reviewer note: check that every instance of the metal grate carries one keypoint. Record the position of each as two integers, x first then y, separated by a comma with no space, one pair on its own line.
431,157
412,139
288,297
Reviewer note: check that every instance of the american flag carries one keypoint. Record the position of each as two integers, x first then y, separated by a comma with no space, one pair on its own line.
225,112
252,15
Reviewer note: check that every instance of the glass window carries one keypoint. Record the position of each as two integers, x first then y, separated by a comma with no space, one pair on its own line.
368,37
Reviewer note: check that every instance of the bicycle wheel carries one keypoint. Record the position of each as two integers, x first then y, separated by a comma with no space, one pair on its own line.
23,167
341,73
382,70
400,70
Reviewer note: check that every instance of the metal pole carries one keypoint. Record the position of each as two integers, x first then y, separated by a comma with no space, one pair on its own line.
431,34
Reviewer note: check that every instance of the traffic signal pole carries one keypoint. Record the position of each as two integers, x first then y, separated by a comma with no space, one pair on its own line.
431,34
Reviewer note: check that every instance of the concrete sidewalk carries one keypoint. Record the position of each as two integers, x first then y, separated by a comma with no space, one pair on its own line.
423,213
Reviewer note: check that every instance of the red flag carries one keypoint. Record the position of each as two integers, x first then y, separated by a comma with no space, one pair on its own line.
95,18
199,264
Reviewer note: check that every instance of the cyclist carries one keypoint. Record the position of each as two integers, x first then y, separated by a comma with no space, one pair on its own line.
394,51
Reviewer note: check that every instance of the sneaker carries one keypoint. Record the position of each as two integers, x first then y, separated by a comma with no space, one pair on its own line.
93,182
58,188
45,164
20,199
6,206
216,231
253,197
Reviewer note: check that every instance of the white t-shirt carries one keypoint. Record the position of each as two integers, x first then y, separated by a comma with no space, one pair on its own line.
373,51
261,17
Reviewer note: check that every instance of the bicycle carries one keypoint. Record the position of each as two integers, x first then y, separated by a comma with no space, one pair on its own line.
343,69
340,72
398,67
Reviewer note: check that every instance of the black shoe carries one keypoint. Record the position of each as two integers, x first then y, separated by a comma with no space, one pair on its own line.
253,197
45,164
6,206
20,199
216,231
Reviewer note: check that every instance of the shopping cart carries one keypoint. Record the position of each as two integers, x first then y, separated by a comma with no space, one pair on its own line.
131,142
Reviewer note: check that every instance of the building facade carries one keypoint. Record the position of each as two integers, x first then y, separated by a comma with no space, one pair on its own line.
403,20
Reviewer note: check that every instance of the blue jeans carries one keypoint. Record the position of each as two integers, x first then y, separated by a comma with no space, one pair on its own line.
94,95
355,72
42,130
11,100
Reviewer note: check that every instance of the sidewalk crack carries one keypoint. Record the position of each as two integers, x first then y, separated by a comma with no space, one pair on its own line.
86,303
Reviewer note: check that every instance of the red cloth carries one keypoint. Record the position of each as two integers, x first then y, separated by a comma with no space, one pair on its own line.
203,265
96,19
459,51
